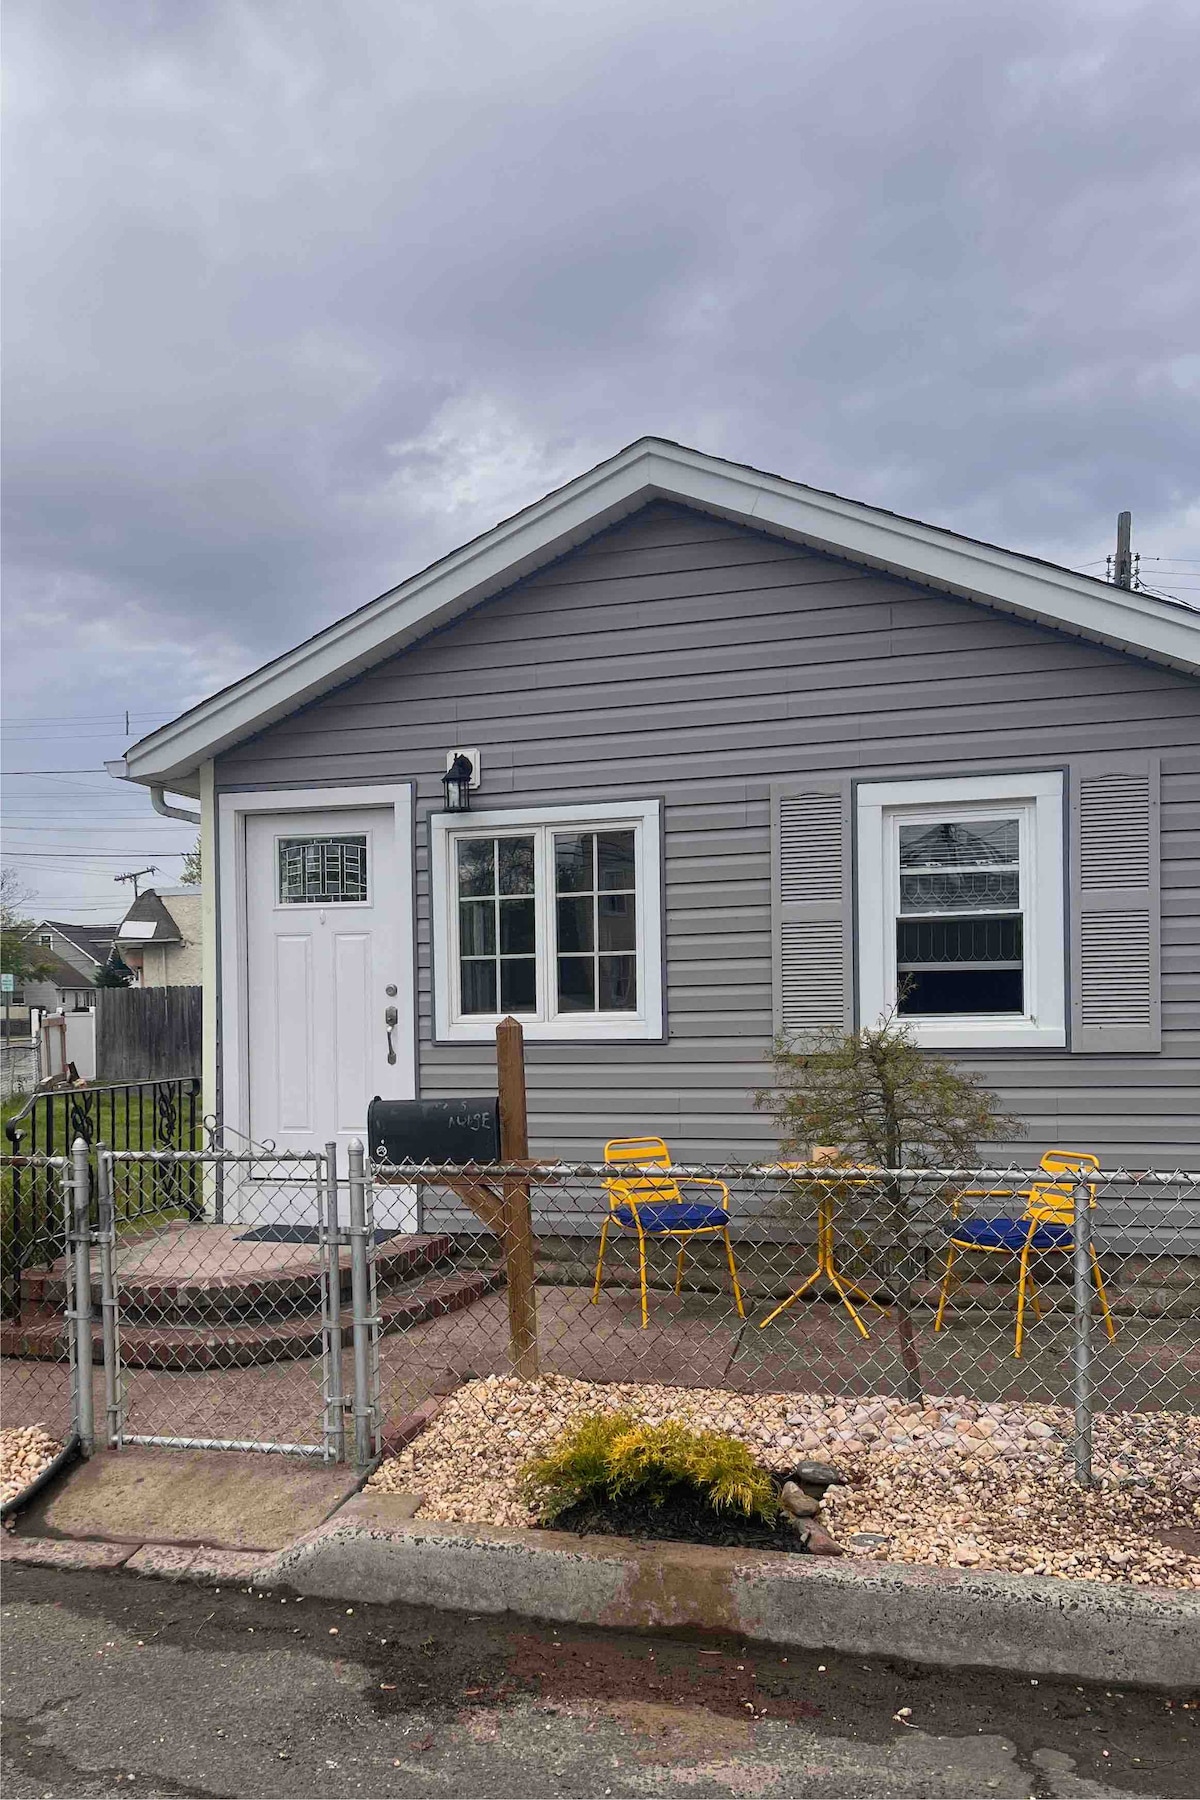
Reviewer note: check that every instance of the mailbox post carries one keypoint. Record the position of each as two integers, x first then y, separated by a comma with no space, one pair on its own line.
518,1222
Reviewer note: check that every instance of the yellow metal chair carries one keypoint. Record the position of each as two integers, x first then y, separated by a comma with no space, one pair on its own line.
1045,1228
653,1206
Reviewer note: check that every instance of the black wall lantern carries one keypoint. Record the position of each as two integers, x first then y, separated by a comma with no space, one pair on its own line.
457,783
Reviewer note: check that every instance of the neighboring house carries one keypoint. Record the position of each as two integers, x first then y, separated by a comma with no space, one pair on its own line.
71,955
159,937
749,755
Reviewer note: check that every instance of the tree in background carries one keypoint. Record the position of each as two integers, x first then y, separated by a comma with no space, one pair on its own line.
20,956
877,1098
190,874
113,974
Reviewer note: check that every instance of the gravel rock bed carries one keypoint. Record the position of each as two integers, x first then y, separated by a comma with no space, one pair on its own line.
25,1451
953,1482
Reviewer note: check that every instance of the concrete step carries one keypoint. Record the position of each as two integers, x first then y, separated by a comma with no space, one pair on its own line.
166,1282
40,1333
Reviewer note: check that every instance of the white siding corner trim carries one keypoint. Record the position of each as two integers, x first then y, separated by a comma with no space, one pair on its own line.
644,817
1038,798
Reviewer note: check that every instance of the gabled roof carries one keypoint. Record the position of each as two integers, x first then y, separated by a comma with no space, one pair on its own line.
90,940
148,922
59,973
655,469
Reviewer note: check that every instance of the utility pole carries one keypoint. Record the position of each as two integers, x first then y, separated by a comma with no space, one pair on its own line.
135,876
1121,567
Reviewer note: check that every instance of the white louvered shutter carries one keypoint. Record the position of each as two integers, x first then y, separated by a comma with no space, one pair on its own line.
1115,907
811,908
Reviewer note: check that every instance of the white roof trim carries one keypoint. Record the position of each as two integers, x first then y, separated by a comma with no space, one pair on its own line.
652,469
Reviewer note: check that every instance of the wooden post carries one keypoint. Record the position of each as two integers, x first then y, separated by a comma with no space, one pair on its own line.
518,1222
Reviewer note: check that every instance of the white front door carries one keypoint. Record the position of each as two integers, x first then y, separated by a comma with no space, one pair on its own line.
328,1019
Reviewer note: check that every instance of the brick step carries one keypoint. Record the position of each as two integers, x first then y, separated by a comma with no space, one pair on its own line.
39,1334
252,1296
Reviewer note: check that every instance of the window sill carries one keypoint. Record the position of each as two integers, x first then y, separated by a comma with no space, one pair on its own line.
964,1034
555,1031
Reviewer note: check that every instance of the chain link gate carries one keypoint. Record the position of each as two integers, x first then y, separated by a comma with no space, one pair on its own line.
225,1286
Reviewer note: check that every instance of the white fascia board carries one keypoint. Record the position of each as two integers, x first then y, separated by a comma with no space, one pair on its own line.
1043,592
655,469
389,624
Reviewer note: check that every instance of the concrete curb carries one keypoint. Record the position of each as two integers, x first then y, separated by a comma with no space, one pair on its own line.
373,1550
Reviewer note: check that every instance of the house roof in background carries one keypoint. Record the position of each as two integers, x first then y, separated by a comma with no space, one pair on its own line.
148,922
59,972
90,940
655,469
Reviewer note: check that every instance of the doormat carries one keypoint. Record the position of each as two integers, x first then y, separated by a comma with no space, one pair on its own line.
301,1234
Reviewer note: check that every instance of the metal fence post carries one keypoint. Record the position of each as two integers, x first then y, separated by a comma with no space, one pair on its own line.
335,1405
1081,1380
360,1302
80,1313
109,1322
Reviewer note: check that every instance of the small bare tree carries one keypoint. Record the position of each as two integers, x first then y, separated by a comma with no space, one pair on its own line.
886,1105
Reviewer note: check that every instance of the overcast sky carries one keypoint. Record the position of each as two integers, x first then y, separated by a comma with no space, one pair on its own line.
302,293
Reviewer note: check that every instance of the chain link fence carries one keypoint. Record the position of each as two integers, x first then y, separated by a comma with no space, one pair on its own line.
38,1342
251,1299
932,1314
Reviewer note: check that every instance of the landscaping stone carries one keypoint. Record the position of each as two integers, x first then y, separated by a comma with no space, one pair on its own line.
1012,1496
795,1501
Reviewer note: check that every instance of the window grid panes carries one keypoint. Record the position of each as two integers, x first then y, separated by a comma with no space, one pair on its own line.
323,871
960,929
595,921
497,925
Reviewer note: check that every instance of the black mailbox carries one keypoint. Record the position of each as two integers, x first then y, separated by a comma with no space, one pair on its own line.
434,1131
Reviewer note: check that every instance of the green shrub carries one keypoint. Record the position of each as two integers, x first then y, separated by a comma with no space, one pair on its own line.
611,1457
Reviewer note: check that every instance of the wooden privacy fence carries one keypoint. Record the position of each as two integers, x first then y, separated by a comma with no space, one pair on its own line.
147,1034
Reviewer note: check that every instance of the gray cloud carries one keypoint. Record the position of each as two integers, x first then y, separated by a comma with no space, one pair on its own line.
300,295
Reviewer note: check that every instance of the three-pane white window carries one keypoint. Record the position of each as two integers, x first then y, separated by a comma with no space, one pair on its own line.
961,922
552,915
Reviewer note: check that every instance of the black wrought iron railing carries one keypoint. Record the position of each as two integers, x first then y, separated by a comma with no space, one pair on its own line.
137,1115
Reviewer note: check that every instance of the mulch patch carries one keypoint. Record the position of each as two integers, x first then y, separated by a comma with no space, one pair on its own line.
679,1518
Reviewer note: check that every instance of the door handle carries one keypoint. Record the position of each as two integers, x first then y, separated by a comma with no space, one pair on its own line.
391,1019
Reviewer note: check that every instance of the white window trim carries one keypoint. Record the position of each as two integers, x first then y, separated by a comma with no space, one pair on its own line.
1042,853
646,1024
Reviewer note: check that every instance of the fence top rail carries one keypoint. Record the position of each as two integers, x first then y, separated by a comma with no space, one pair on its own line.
33,1159
550,1169
250,1158
92,1089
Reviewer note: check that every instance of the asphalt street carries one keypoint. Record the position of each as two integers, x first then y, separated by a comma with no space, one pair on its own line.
115,1685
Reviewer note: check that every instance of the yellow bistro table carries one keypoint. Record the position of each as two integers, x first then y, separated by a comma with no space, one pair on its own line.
809,1175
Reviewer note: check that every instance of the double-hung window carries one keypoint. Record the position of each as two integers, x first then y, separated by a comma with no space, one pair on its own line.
961,926
552,915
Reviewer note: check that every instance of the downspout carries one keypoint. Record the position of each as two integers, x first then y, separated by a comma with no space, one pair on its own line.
168,811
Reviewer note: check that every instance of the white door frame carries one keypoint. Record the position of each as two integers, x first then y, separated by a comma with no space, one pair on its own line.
232,812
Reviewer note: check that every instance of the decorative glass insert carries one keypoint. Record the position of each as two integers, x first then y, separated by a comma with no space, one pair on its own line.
323,871
596,916
497,924
959,934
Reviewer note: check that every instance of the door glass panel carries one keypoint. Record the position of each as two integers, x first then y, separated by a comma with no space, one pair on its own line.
322,871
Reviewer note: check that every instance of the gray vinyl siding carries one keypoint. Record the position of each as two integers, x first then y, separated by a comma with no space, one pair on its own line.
680,656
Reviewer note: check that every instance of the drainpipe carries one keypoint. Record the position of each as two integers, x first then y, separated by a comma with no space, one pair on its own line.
170,812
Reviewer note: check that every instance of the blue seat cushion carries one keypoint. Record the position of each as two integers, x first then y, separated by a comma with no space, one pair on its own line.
678,1215
1009,1234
